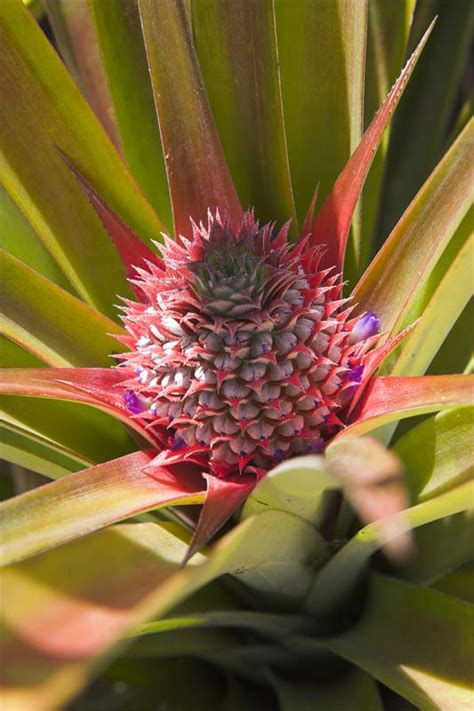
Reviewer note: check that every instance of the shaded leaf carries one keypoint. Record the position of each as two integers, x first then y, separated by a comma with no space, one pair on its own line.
198,176
47,320
428,662
420,127
389,23
316,51
336,581
236,45
35,175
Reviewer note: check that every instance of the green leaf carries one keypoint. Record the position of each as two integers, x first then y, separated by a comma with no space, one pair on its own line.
77,42
302,486
51,323
37,178
337,579
389,24
116,578
389,399
437,452
21,241
423,654
236,45
351,689
30,453
441,547
67,429
455,355
418,137
440,303
120,38
405,262
86,501
120,578
459,584
322,67
198,175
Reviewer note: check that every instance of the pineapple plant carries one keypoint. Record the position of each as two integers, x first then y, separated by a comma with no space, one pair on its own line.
261,458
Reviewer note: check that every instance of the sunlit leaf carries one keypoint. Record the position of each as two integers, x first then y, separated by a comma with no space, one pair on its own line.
236,45
47,320
198,176
437,453
123,55
70,429
76,39
440,304
407,259
87,501
390,399
35,175
21,241
423,654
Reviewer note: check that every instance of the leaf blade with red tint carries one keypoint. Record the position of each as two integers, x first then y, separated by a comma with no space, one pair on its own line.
237,49
91,386
333,221
408,257
89,500
390,399
198,175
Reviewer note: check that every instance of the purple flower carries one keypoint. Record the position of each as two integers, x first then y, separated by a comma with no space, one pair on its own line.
132,402
369,325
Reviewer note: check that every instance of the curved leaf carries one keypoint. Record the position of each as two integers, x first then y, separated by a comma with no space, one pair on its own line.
120,39
58,428
36,177
337,579
333,221
236,45
91,386
88,500
390,399
408,257
51,323
321,47
446,297
437,453
423,654
198,176
21,241
74,34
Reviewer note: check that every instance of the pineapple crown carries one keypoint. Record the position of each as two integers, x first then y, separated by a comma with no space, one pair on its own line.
243,348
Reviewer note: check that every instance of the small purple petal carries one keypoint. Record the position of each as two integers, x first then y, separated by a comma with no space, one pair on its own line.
132,402
178,444
367,326
355,375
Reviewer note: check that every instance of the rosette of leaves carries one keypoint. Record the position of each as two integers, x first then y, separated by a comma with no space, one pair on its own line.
254,396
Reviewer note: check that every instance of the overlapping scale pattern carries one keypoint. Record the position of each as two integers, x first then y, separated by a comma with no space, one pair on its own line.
243,348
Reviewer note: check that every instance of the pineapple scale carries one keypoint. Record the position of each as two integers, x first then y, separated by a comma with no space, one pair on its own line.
243,348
